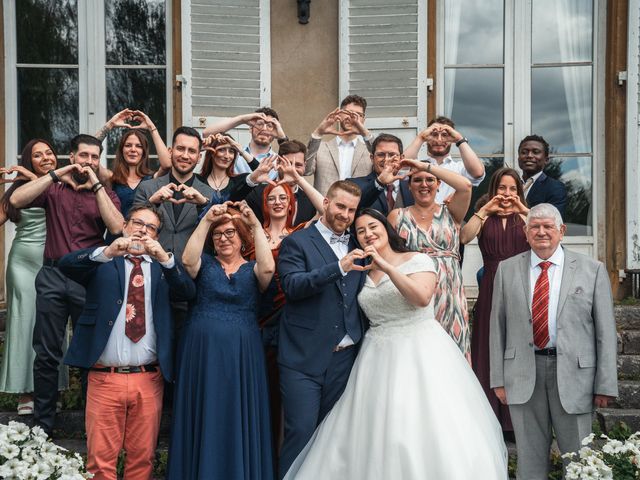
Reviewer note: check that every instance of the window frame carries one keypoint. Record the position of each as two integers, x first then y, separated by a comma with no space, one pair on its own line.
517,101
92,90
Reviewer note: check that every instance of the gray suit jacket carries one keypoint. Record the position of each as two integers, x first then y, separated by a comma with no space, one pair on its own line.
586,333
176,231
323,162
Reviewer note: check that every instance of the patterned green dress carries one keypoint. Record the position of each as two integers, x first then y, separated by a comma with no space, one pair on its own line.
442,244
24,262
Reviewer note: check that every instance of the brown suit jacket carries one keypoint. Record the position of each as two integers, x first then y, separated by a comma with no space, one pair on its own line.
323,162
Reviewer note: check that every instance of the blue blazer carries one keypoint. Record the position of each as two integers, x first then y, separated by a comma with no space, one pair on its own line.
321,305
374,198
548,190
105,284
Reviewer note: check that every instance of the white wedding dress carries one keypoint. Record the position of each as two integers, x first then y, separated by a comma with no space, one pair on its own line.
412,408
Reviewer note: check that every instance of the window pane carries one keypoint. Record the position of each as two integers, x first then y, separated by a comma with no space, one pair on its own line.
143,90
135,32
562,31
48,106
561,107
474,101
491,164
473,32
576,173
47,31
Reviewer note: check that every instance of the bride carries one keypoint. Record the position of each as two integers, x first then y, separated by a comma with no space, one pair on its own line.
412,408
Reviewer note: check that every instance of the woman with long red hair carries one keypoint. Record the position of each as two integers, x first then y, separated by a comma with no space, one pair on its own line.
278,210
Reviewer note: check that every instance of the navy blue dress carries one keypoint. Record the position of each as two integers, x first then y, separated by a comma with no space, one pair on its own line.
221,425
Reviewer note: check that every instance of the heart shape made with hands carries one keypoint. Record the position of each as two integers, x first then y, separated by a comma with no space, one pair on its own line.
177,188
4,172
132,122
344,125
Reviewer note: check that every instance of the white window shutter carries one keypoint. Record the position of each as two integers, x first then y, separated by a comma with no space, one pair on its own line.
383,59
225,58
633,137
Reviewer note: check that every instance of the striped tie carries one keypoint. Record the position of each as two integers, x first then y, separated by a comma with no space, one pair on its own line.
540,307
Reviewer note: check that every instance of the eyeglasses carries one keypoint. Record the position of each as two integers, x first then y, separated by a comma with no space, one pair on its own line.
229,234
280,198
385,155
428,180
150,227
262,125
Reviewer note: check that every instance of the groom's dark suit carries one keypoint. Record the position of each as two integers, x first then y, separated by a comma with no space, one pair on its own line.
321,308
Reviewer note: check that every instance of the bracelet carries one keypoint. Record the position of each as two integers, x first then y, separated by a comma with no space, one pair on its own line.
482,219
97,186
428,167
154,129
54,176
461,141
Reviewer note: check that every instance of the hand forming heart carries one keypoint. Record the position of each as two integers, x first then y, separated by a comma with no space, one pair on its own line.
21,174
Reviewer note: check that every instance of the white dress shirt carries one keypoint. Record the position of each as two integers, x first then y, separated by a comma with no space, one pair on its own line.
346,149
120,351
341,251
457,166
555,280
241,165
535,179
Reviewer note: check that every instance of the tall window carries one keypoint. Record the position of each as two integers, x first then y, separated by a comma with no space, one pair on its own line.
514,67
77,62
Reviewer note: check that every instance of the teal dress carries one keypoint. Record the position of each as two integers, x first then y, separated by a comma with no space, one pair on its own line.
25,260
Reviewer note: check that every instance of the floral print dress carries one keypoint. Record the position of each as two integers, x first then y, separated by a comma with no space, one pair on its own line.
442,243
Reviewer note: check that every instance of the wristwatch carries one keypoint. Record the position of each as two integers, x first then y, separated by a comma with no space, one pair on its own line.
54,176
461,141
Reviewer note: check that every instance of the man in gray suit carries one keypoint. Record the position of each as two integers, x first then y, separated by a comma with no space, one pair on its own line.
346,156
179,194
552,342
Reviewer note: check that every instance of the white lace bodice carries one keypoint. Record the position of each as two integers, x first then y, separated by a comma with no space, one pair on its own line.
386,307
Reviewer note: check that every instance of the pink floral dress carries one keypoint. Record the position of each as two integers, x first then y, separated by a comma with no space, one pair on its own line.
442,243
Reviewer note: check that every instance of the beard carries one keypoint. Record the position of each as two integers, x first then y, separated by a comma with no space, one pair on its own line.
80,178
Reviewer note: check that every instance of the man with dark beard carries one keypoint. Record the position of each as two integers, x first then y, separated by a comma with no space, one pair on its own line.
78,209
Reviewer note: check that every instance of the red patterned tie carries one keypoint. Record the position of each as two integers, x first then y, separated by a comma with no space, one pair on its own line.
390,201
540,307
135,325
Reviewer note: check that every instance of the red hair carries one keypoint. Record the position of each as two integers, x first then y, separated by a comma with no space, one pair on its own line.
290,210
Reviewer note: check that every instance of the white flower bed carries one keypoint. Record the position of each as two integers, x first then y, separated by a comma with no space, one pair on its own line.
26,454
608,459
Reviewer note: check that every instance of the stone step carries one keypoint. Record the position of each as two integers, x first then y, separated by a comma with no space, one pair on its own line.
610,417
628,395
70,423
627,317
629,342
629,367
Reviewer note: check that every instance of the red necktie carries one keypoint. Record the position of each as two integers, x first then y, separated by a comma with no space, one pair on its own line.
540,307
135,325
390,201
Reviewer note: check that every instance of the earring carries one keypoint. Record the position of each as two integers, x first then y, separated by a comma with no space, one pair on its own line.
242,248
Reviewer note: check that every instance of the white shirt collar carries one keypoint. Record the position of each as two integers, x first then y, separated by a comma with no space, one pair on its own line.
557,258
325,231
536,177
345,143
447,159
145,257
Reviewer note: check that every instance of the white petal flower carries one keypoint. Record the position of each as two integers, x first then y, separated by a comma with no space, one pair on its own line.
9,451
588,439
589,473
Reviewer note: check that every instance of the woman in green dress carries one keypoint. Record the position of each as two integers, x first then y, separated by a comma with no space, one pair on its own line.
24,262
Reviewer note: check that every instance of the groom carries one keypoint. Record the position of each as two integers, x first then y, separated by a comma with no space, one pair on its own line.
322,324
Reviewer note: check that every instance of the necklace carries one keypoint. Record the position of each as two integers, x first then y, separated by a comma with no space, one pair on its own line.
218,185
421,215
